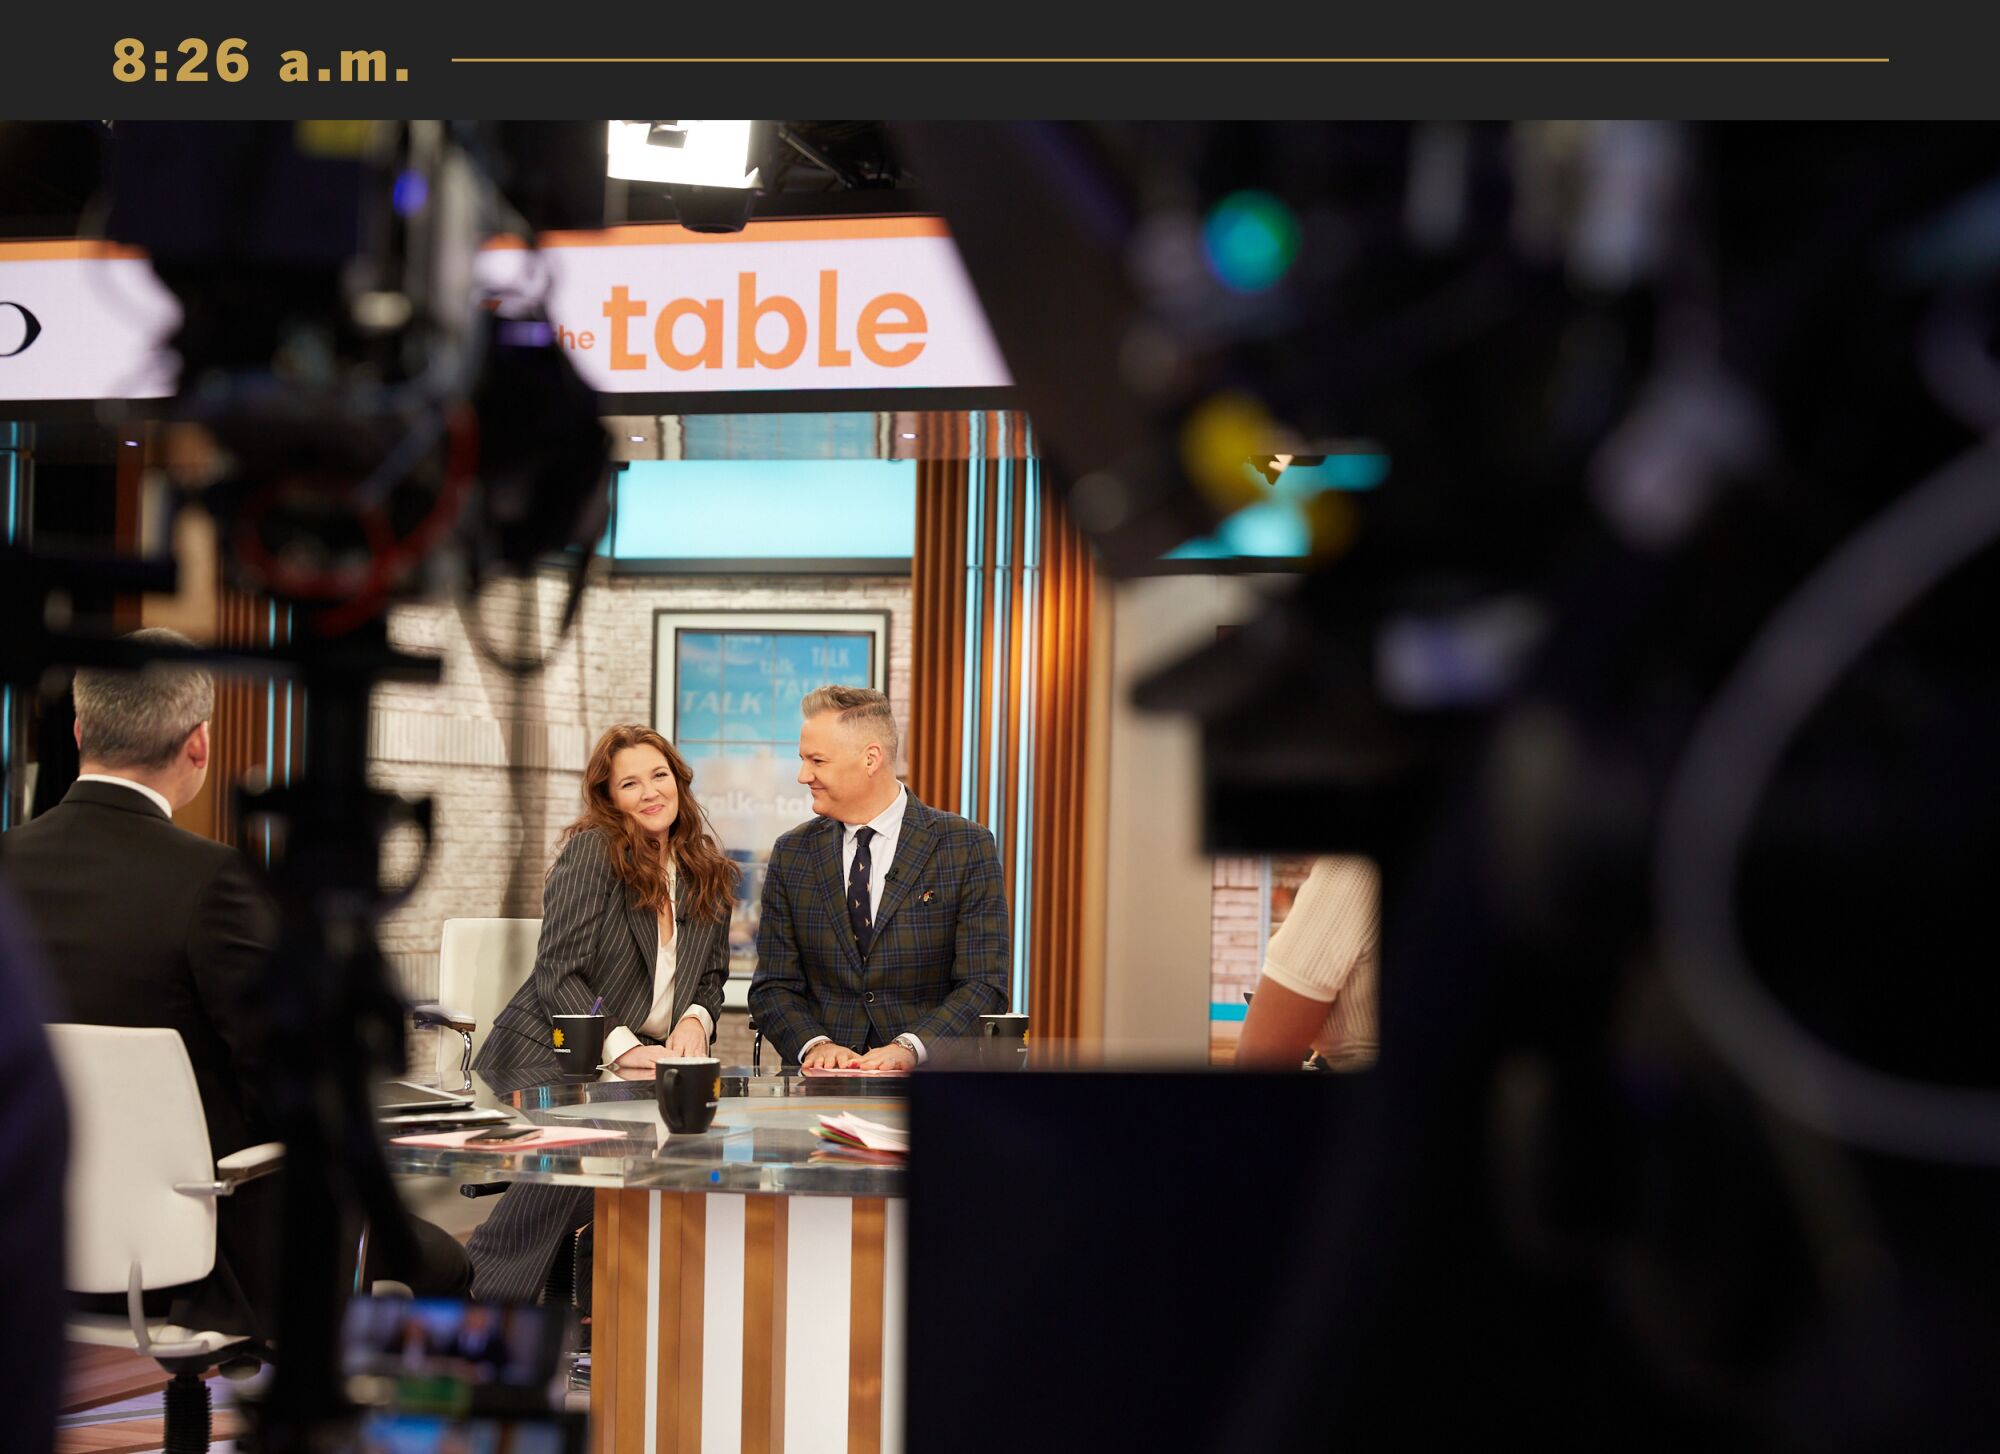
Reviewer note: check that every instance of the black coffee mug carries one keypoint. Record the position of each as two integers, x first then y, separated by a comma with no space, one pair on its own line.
687,1088
1003,1041
578,1041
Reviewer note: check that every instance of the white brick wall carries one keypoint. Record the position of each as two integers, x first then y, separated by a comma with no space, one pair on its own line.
503,757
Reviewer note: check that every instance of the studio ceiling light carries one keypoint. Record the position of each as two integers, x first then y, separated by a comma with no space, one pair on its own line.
692,153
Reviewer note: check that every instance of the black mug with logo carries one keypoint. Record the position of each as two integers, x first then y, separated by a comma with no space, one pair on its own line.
1003,1041
688,1088
578,1041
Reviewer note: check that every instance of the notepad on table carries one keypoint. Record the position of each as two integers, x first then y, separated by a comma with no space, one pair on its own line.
848,1129
542,1140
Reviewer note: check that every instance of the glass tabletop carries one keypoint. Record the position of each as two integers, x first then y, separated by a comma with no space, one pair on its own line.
761,1141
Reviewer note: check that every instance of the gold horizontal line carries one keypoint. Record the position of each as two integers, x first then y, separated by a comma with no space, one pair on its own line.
1170,60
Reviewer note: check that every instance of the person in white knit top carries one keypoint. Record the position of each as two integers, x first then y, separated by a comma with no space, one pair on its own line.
1317,991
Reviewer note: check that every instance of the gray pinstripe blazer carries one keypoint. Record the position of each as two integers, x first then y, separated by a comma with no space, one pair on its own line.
593,943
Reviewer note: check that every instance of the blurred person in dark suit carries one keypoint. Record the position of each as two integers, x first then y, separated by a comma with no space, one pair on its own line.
146,924
883,926
33,1152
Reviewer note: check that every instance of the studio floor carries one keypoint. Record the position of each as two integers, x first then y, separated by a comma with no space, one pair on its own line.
112,1404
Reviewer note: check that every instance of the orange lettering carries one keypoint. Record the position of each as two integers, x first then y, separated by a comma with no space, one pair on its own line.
874,324
748,311
831,354
621,307
710,314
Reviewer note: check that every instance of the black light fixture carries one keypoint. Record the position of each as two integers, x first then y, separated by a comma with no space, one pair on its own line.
706,168
711,209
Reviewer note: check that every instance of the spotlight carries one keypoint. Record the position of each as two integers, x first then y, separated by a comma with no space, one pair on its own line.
691,153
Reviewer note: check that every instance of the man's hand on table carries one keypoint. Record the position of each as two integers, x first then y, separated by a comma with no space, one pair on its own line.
889,1057
827,1055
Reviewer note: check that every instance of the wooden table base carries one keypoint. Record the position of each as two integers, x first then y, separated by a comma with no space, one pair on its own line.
769,1324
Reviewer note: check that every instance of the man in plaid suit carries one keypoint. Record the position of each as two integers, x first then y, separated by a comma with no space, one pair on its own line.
884,924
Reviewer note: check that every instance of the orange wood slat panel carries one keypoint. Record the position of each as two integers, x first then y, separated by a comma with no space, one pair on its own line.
1063,591
938,646
766,1223
864,1341
682,1274
1061,735
626,1327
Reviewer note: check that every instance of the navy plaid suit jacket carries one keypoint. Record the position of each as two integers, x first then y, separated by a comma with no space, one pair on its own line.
939,959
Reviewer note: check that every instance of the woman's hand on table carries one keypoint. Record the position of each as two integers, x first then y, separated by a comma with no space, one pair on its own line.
642,1058
688,1038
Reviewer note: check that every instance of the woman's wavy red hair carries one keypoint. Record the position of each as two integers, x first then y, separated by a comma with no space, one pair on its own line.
711,878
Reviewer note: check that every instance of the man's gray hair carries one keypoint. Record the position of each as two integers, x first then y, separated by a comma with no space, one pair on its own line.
141,718
861,710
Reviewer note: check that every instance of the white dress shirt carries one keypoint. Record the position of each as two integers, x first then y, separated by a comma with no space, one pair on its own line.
159,800
888,826
659,1021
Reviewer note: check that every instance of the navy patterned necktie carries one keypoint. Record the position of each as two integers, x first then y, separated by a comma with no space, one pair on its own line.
857,892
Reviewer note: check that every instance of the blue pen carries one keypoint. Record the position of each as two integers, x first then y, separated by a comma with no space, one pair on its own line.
598,1008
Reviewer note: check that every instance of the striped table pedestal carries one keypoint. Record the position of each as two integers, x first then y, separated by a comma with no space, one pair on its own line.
767,1323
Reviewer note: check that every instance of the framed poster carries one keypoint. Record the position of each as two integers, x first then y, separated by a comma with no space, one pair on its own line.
726,692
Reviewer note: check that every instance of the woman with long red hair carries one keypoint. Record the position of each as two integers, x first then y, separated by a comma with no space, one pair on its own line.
635,913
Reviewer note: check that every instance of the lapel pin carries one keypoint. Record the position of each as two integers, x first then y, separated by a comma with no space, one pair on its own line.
926,897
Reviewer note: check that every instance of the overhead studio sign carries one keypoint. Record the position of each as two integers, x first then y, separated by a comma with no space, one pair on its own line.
24,328
847,304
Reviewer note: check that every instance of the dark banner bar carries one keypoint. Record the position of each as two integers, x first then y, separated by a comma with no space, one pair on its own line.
1263,59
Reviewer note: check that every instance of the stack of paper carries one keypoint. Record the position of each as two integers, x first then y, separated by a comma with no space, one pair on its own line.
859,1134
542,1140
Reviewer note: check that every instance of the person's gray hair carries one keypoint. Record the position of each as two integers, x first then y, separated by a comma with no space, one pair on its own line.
862,711
141,718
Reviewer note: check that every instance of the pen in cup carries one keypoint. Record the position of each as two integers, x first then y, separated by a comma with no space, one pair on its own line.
598,1008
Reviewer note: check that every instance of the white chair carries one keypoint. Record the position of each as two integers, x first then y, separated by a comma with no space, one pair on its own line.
481,963
140,1193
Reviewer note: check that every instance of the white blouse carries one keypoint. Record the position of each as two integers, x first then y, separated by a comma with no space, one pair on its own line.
660,1020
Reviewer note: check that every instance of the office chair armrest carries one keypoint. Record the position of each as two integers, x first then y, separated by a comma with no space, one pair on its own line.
432,1013
235,1169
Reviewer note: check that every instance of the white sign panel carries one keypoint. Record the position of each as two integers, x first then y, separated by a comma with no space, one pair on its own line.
849,303
81,320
